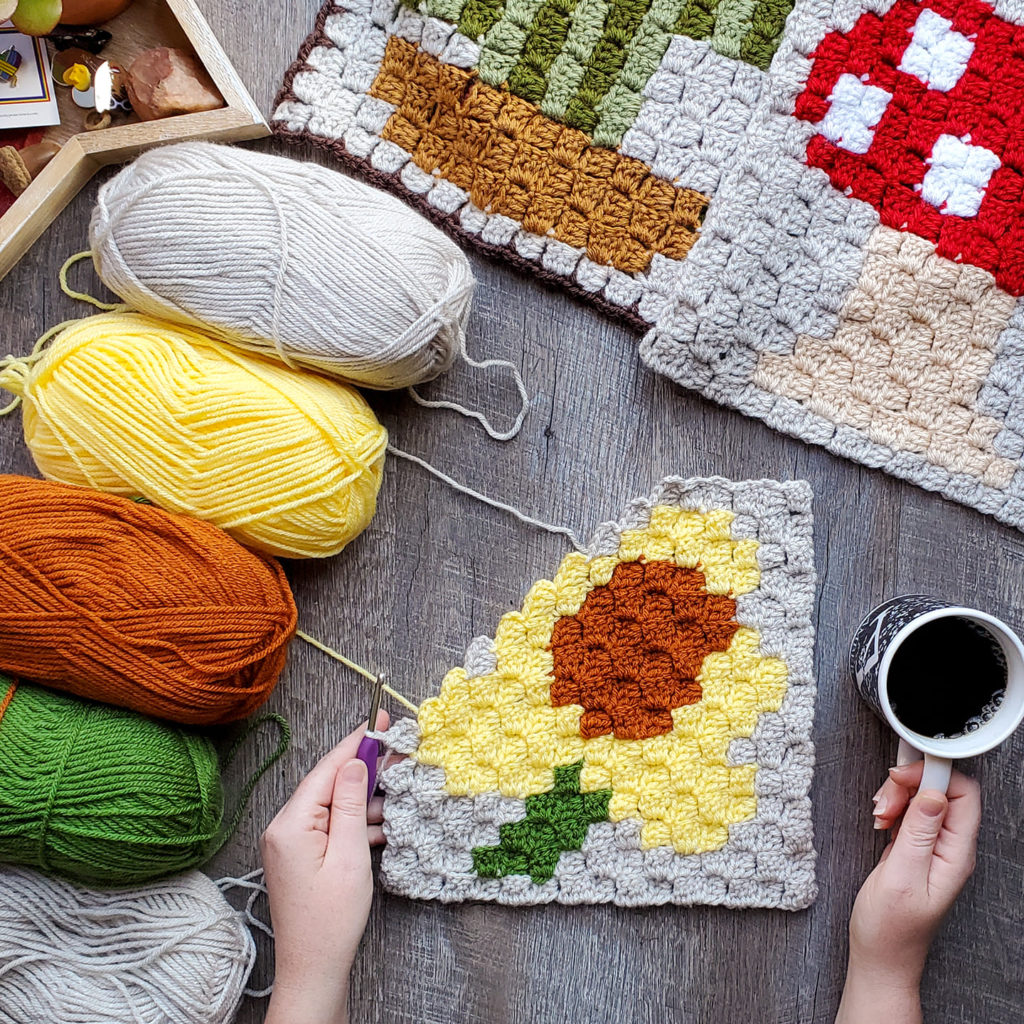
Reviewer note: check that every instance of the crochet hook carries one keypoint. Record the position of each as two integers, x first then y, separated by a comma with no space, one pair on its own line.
369,748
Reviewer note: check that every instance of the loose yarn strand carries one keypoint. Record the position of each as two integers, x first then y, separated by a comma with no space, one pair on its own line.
475,414
113,307
563,531
364,672
254,883
14,370
284,738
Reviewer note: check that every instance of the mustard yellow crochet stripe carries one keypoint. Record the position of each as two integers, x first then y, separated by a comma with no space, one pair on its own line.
499,732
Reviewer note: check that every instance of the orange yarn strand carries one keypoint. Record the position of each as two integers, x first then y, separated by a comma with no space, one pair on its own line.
125,603
8,697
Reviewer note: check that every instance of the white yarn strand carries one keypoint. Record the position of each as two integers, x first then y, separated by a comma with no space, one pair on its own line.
284,258
172,952
481,418
254,882
562,531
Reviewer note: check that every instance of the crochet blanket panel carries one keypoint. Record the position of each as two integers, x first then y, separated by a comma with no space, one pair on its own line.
858,280
639,732
581,139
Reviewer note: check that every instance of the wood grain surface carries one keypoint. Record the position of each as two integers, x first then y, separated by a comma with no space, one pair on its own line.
435,569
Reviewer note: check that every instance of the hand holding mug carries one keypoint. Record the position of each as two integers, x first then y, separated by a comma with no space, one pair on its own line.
903,901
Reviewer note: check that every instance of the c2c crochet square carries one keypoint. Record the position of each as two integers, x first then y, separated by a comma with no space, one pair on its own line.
859,276
639,732
817,219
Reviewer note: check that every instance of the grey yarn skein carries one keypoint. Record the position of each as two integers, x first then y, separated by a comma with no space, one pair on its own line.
284,258
173,952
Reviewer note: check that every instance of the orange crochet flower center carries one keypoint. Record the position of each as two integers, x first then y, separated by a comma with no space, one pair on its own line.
634,650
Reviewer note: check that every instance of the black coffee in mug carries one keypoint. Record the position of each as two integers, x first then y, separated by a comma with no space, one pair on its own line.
947,678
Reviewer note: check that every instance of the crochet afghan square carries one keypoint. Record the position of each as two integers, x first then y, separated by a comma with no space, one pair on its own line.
581,139
817,219
639,732
859,277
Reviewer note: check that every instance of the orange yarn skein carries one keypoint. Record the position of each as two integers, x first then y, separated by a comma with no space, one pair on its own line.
125,603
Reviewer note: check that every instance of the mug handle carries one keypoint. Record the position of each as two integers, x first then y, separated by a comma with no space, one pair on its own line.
936,769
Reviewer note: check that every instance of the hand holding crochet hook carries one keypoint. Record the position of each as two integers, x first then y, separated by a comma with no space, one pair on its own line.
316,855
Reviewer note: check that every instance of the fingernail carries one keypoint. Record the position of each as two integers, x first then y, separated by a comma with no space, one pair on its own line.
898,769
881,804
877,796
933,806
354,771
878,823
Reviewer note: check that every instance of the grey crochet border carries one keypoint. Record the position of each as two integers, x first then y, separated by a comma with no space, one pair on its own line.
778,252
767,861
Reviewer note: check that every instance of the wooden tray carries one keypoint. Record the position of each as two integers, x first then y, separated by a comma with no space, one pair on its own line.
146,23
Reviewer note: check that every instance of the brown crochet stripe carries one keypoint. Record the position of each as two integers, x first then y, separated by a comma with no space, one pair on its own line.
514,161
626,315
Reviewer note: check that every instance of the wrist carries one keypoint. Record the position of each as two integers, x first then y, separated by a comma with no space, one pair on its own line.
299,1001
876,991
898,969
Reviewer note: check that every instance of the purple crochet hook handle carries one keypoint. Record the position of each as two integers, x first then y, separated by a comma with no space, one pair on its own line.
369,749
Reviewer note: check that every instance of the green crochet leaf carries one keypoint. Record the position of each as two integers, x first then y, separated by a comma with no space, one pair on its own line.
555,822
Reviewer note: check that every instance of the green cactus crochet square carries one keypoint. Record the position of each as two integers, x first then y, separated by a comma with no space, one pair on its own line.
583,139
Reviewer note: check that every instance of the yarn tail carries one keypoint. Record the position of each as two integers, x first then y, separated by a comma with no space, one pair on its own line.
364,672
475,414
15,369
563,531
114,307
284,738
253,882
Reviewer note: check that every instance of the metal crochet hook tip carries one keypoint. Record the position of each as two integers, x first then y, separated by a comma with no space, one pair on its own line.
375,699
369,748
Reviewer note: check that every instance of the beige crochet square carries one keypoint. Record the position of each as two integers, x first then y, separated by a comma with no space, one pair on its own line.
916,340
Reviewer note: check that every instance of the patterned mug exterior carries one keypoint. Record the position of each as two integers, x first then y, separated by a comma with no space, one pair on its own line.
876,632
873,643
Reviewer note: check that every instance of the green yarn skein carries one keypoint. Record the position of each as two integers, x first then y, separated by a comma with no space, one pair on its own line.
101,795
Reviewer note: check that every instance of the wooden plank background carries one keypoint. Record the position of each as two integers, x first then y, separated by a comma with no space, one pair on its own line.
435,569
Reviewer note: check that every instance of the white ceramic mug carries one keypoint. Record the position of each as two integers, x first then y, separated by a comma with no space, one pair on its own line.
876,641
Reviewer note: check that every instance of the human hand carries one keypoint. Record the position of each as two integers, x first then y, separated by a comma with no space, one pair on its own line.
903,901
316,858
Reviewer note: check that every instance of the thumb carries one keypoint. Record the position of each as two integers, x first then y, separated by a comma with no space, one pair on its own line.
348,808
915,842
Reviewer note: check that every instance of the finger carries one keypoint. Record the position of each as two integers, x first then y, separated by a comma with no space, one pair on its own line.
959,837
375,835
889,803
908,775
914,844
375,810
348,811
317,788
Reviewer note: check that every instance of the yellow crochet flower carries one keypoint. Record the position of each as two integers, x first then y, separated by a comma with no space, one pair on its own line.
662,602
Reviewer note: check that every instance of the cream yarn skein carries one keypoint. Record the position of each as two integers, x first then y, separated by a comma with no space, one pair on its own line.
174,951
285,258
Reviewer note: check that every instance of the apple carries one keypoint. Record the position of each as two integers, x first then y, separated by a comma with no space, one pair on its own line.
37,17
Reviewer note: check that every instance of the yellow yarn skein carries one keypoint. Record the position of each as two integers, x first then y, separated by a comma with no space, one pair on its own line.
286,461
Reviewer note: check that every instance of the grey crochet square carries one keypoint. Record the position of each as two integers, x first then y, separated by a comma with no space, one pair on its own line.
440,806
